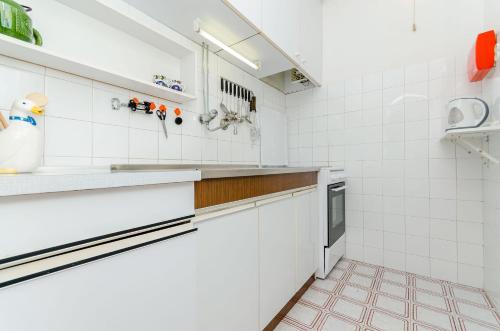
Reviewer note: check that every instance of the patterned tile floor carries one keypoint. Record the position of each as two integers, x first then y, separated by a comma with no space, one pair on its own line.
362,297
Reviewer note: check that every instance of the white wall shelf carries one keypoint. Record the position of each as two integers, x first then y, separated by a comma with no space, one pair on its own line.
38,55
460,136
473,132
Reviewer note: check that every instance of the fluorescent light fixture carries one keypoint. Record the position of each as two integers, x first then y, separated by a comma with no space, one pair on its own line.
228,49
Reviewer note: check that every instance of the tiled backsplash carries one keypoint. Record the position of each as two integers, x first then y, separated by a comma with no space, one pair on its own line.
414,201
81,128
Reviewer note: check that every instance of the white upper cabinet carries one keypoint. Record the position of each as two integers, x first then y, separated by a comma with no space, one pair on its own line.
293,26
279,24
311,38
250,10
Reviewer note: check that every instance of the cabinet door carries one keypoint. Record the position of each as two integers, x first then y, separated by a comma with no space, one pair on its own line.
250,10
311,38
306,249
277,230
149,288
227,276
280,23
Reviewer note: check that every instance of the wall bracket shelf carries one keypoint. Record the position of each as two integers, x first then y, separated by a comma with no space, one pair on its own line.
38,55
461,136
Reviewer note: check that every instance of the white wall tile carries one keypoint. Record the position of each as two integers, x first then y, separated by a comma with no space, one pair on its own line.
393,78
395,260
445,270
69,98
443,208
443,229
394,242
143,144
443,249
110,141
64,137
470,254
20,83
191,149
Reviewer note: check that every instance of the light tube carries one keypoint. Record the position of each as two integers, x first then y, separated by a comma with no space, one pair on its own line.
228,49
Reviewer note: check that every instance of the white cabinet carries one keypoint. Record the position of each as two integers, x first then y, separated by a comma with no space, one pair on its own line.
148,288
228,276
250,10
294,26
277,229
311,38
281,25
307,237
252,261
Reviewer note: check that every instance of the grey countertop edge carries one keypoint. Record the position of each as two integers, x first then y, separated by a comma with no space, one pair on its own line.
25,184
245,172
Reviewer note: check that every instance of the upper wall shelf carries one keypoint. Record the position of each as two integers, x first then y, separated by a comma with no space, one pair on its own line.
474,132
459,136
38,55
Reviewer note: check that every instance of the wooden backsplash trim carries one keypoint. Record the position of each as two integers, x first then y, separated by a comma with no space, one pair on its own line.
215,191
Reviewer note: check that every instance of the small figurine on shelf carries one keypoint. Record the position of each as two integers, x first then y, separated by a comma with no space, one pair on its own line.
173,84
21,141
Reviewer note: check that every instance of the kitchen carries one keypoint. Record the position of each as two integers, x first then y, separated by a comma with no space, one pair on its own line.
249,165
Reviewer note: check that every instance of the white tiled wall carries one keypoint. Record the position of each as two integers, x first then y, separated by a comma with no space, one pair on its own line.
414,200
81,128
491,173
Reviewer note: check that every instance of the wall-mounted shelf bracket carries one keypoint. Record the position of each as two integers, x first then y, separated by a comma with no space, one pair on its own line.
471,148
459,137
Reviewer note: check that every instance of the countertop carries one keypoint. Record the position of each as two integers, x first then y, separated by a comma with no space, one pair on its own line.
64,179
216,171
50,180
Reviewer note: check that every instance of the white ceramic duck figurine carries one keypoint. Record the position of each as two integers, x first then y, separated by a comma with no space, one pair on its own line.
21,142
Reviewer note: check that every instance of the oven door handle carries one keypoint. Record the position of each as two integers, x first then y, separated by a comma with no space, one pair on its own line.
338,189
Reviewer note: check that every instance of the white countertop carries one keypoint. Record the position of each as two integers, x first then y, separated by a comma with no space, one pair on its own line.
50,180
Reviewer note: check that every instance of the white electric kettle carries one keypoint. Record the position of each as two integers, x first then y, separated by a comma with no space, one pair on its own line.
464,113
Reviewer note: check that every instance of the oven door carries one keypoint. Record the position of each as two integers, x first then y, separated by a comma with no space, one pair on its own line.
336,212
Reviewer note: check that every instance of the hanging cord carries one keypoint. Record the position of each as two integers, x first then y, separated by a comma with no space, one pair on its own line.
414,27
205,79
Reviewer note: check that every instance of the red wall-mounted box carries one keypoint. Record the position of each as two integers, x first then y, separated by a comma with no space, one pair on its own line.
482,56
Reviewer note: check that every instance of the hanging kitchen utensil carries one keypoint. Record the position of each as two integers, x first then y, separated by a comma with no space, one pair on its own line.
162,115
16,23
466,113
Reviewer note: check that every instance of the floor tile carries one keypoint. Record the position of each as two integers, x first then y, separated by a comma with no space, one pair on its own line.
325,284
304,315
393,289
355,293
285,327
395,277
365,270
337,274
361,280
432,300
315,297
467,325
478,313
362,297
429,285
433,318
348,309
335,323
391,305
470,295
386,322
